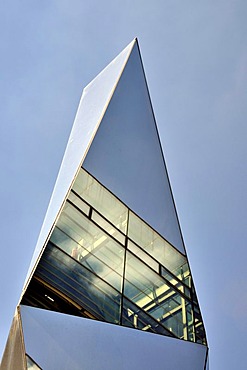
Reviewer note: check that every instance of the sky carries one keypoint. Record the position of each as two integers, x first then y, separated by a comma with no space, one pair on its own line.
195,59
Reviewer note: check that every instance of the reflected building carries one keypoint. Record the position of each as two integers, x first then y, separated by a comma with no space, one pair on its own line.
109,284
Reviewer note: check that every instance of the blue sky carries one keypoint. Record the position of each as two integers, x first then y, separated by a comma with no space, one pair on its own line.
195,59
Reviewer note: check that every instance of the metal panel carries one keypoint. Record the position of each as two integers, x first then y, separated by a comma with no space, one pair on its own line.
60,342
126,155
94,101
14,353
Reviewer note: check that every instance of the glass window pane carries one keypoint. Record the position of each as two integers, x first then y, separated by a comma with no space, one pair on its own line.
101,199
199,328
151,293
134,317
190,323
176,282
157,247
79,203
108,227
89,245
81,285
143,256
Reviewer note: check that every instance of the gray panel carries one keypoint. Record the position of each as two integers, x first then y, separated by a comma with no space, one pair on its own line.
60,342
94,101
126,155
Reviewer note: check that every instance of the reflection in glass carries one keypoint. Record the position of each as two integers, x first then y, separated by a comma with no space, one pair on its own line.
108,227
157,247
143,256
80,284
88,244
79,203
101,199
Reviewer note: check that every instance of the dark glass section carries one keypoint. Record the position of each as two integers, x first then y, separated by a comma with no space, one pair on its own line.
78,283
42,295
200,334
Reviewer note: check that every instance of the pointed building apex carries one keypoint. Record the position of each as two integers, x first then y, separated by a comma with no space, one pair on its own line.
126,155
110,248
115,67
115,137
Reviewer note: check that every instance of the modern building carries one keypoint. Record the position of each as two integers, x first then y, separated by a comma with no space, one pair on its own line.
109,286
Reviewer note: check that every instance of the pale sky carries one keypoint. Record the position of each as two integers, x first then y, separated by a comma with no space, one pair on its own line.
195,59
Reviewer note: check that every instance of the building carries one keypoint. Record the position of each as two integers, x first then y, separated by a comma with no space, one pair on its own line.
109,286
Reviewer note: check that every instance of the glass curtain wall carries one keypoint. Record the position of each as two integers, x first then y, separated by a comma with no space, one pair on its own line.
114,266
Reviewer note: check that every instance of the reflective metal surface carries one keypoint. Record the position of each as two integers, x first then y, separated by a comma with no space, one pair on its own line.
94,101
61,342
126,156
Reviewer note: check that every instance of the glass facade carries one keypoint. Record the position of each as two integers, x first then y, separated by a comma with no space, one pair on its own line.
109,264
